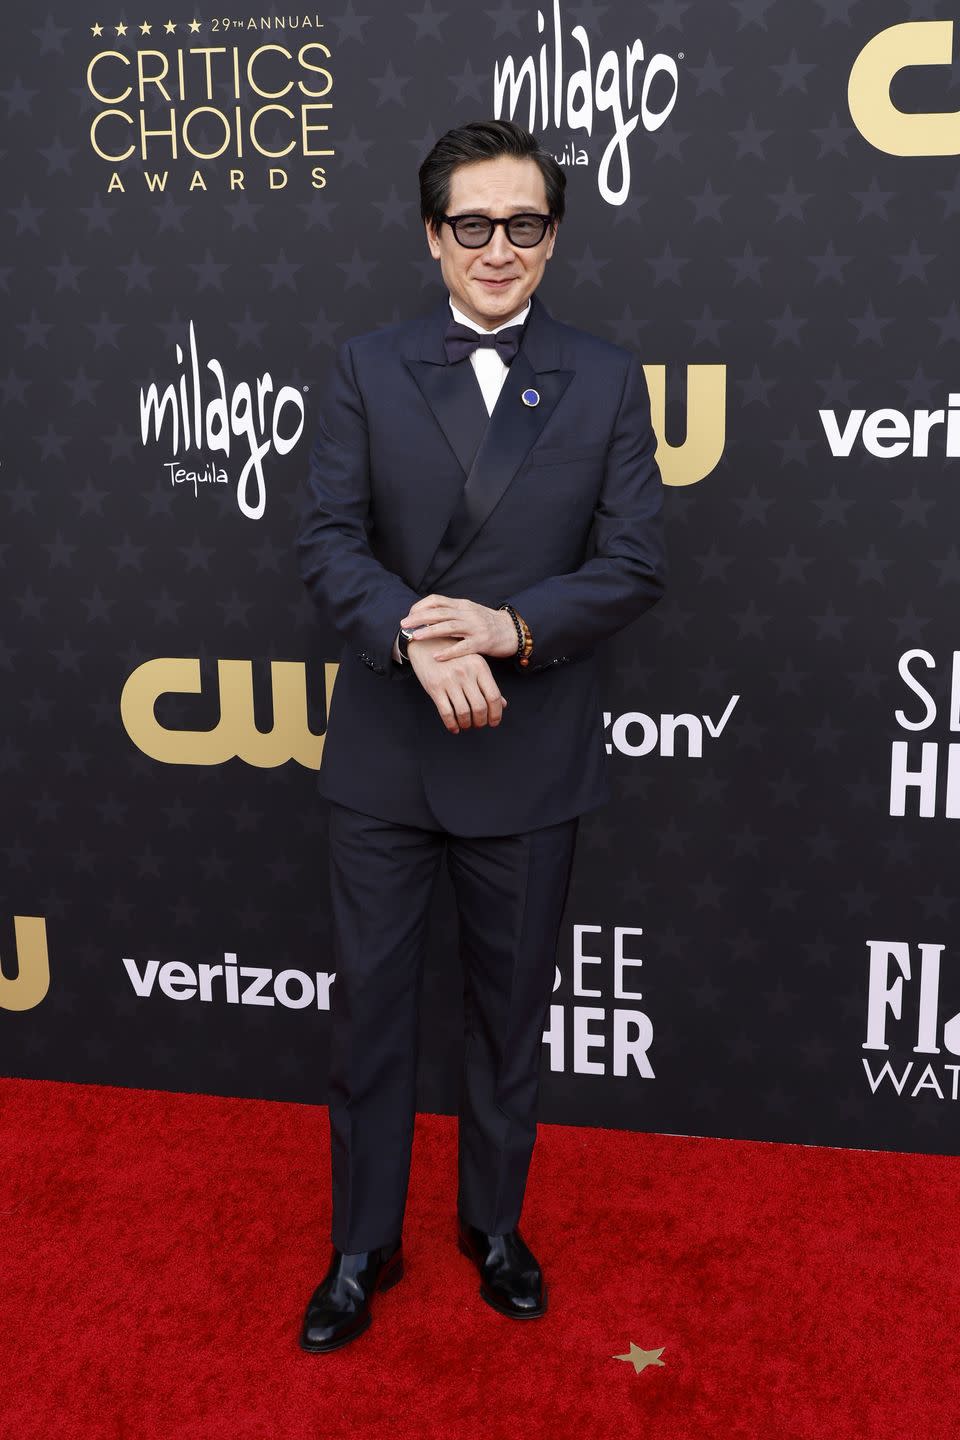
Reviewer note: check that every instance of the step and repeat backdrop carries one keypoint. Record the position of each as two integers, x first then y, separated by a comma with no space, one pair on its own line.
763,933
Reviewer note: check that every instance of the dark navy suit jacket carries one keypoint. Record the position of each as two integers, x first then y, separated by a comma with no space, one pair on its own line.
555,508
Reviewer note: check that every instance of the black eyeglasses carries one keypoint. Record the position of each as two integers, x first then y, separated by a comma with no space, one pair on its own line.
475,231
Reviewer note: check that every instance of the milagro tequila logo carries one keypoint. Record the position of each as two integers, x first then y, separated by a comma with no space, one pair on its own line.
567,90
248,419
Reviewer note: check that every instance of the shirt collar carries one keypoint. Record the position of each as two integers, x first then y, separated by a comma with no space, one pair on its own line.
517,319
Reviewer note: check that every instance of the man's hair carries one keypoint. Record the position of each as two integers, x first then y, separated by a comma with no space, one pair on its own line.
484,140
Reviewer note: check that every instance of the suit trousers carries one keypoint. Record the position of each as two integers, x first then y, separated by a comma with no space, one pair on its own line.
510,893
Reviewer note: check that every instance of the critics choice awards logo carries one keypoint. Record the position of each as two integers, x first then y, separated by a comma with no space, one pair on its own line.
213,92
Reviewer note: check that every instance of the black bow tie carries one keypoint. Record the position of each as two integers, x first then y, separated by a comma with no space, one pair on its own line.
459,341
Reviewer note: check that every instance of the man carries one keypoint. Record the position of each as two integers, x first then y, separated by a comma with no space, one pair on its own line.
483,509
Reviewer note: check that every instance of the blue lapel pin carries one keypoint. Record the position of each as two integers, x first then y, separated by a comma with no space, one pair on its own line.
530,397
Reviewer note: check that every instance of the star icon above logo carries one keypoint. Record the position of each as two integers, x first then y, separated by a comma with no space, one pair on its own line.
640,1359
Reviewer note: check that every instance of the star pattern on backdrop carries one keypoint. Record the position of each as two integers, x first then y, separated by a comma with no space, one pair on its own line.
761,233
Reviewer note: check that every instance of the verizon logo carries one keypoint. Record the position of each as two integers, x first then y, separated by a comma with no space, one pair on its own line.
887,433
231,984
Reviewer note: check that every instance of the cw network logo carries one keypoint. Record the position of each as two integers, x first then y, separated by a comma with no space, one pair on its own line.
235,735
705,423
896,132
635,733
28,987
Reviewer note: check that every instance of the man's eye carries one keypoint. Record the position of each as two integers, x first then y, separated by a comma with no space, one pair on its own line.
473,227
524,229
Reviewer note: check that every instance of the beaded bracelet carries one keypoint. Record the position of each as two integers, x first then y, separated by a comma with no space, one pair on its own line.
524,637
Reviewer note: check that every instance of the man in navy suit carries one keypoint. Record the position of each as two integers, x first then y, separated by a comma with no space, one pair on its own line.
483,510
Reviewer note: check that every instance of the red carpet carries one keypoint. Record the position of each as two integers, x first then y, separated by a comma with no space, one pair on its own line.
158,1251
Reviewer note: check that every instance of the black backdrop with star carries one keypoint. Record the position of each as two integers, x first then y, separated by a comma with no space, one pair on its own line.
763,203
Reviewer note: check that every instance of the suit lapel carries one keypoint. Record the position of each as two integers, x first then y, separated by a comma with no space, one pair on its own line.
451,391
454,396
512,430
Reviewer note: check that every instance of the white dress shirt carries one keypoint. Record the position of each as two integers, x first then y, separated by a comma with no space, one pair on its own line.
487,365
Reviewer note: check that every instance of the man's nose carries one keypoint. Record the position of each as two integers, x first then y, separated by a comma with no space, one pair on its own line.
499,248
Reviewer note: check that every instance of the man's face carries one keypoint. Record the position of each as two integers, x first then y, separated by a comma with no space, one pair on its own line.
495,282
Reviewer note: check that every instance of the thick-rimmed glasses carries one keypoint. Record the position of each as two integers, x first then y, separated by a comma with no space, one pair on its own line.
475,231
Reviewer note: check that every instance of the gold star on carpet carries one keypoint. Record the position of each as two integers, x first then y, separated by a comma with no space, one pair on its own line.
640,1359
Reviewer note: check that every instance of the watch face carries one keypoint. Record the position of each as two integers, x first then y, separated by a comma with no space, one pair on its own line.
407,634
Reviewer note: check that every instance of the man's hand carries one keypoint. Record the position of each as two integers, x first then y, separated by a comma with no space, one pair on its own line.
479,630
463,690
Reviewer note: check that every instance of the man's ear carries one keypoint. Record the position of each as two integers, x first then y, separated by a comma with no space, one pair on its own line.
433,239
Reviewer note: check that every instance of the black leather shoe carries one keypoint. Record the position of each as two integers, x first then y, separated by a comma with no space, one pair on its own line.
510,1278
339,1309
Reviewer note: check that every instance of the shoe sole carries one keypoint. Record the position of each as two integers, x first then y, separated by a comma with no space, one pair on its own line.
495,1304
392,1272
